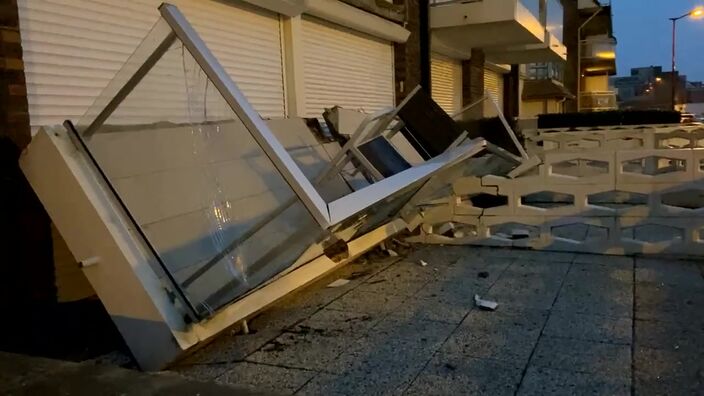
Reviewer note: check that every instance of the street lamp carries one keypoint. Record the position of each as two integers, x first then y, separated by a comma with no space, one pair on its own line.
695,13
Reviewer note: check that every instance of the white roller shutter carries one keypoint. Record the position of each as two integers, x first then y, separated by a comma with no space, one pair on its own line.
345,68
446,82
494,85
73,48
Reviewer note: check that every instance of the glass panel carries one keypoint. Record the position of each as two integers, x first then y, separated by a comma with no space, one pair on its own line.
533,6
555,18
218,213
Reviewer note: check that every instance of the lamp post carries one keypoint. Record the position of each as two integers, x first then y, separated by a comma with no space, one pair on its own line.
695,13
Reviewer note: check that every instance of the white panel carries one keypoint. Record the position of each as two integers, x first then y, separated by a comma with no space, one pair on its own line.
73,48
446,82
345,68
494,85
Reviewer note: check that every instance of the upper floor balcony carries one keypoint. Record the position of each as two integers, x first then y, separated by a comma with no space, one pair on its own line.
598,55
509,31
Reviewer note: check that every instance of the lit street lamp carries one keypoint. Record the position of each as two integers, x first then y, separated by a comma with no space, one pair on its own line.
695,13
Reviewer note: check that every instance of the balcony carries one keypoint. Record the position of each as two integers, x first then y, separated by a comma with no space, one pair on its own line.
598,101
544,81
509,31
598,55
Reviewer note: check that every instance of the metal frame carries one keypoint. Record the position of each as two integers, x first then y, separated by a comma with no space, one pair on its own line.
326,214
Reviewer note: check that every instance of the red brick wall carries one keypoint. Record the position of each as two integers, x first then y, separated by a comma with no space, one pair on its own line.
473,83
14,115
26,266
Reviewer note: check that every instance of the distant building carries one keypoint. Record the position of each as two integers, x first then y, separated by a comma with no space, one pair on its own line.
651,88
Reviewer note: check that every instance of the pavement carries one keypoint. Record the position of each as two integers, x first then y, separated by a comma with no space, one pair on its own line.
566,324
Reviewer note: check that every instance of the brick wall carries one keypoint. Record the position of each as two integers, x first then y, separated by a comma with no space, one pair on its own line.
14,116
473,83
412,58
26,265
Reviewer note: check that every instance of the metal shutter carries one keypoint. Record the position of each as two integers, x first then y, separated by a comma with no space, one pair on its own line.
73,48
446,82
494,85
345,68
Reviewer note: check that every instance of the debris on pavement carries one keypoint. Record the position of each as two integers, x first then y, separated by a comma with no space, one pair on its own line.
423,263
486,305
392,253
483,274
338,283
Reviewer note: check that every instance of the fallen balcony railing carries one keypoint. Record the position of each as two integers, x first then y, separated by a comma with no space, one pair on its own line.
189,215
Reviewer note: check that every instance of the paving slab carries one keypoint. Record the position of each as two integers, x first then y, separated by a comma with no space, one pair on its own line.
477,269
596,300
525,291
25,375
436,307
315,342
682,274
669,335
366,302
454,374
668,372
266,378
540,381
587,327
602,359
604,261
668,303
403,279
505,337
600,276
396,339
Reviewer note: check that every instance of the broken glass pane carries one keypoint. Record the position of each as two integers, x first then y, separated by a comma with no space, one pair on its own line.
220,216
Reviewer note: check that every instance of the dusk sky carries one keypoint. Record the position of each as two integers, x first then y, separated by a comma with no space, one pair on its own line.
644,36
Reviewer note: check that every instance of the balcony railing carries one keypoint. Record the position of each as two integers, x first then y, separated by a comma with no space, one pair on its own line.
598,101
599,48
545,71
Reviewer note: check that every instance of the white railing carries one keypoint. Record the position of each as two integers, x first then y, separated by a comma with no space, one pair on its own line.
598,101
636,190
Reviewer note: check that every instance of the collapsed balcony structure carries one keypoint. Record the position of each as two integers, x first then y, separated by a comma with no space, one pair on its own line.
189,213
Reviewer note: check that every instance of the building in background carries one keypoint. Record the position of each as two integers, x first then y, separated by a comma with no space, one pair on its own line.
650,88
482,46
591,55
582,82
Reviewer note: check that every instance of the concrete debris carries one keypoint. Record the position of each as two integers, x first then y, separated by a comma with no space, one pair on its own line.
392,252
486,305
339,283
423,263
483,274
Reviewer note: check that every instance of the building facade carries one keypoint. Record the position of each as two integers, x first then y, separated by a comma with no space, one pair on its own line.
479,47
290,58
